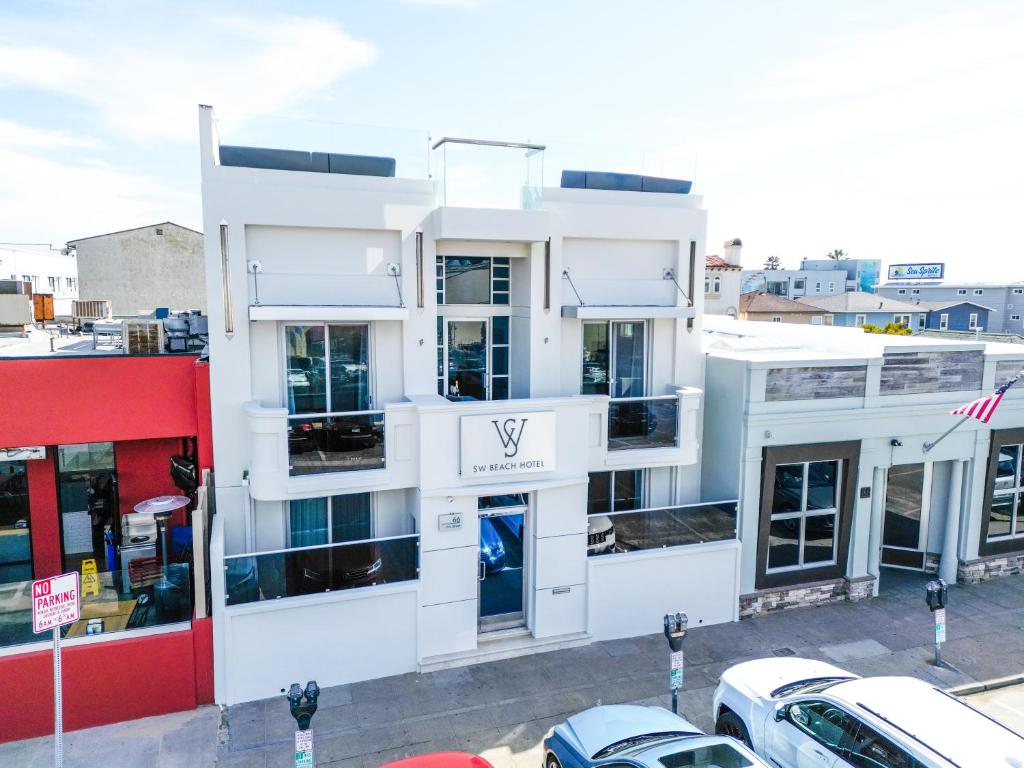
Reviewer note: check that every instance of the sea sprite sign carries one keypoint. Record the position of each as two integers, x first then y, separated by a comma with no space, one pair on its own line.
502,444
931,271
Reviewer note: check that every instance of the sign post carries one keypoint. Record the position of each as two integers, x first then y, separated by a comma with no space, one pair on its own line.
56,601
303,749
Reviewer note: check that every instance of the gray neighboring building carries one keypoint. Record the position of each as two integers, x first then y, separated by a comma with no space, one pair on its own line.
1004,300
140,269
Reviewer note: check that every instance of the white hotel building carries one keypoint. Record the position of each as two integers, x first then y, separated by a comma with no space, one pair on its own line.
447,434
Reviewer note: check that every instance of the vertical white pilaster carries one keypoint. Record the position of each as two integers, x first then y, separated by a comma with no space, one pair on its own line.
950,541
877,520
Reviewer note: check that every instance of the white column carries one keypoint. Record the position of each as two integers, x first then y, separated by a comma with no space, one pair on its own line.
948,562
877,520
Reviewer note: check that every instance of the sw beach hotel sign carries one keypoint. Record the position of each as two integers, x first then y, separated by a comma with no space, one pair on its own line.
504,444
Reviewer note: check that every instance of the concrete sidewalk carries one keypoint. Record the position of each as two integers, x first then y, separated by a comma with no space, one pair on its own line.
503,709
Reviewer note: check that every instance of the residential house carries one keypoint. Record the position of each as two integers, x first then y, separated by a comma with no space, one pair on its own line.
856,309
722,277
767,307
1005,301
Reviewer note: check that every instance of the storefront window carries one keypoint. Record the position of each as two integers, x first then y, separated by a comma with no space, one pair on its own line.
1006,510
803,515
89,505
15,541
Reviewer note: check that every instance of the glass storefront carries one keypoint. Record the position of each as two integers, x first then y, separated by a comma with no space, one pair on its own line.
88,501
15,523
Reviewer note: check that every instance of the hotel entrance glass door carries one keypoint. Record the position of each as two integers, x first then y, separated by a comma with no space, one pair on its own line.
467,360
905,533
502,559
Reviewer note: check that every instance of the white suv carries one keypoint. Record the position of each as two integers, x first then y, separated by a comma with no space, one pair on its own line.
800,713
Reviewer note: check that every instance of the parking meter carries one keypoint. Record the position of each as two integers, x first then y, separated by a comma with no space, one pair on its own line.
937,595
675,631
303,711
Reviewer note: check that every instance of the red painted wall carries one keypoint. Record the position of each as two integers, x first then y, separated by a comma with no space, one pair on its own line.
143,471
204,431
202,649
104,682
115,398
45,524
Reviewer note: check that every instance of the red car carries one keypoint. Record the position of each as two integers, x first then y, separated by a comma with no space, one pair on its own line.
441,760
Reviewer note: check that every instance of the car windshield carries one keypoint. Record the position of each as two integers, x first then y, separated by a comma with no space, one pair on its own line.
636,741
810,685
711,756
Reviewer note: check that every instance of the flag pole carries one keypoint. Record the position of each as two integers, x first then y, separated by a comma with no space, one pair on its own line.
928,446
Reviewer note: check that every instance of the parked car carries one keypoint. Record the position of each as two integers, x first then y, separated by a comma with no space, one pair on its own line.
624,735
441,760
600,534
492,548
800,713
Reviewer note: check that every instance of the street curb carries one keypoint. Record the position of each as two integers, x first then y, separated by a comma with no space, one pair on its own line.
970,689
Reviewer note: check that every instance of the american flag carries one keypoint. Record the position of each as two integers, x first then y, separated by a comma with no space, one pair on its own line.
983,408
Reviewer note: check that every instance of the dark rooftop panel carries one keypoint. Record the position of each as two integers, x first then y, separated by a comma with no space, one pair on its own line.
297,160
623,182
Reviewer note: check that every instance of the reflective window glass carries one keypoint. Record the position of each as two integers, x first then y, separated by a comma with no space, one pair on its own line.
819,538
306,362
595,359
870,749
467,280
822,484
784,543
350,368
789,488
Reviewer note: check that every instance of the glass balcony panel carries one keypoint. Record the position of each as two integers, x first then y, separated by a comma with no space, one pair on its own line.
340,443
649,422
659,528
315,570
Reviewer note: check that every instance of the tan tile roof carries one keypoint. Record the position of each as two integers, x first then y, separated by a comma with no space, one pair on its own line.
769,302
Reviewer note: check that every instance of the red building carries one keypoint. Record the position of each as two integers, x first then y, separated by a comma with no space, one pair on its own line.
84,439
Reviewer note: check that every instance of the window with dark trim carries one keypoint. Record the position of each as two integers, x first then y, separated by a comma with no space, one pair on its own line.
806,512
1002,524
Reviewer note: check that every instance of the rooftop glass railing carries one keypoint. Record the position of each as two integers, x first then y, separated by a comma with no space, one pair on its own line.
643,422
662,527
324,568
336,442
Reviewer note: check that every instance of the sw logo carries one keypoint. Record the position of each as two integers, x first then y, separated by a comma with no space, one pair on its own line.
507,434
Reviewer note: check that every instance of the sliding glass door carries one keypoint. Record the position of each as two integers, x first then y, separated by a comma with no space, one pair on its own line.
614,359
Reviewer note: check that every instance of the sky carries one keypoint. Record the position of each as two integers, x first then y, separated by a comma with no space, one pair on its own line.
893,131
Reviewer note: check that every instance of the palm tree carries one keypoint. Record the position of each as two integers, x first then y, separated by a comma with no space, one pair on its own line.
837,254
773,263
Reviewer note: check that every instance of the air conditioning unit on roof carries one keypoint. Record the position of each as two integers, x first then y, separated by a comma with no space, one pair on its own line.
143,336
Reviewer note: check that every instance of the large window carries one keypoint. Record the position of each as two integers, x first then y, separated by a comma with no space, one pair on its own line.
328,368
15,540
804,510
329,391
331,520
473,280
1006,509
614,491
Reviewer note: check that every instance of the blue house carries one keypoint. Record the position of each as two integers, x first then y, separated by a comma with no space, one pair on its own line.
956,315
858,308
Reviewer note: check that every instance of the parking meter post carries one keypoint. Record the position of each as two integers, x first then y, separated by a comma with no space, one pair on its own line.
302,704
675,631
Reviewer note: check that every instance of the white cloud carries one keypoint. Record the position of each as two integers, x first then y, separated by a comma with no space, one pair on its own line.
465,4
51,201
17,135
148,91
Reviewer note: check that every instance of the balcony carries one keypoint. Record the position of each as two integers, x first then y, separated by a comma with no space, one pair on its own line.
319,569
662,527
643,422
331,452
336,442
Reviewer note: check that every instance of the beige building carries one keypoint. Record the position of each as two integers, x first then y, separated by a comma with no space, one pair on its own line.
141,269
722,277
768,307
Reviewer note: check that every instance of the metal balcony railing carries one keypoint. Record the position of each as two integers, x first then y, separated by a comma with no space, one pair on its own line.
335,442
323,568
661,527
643,422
